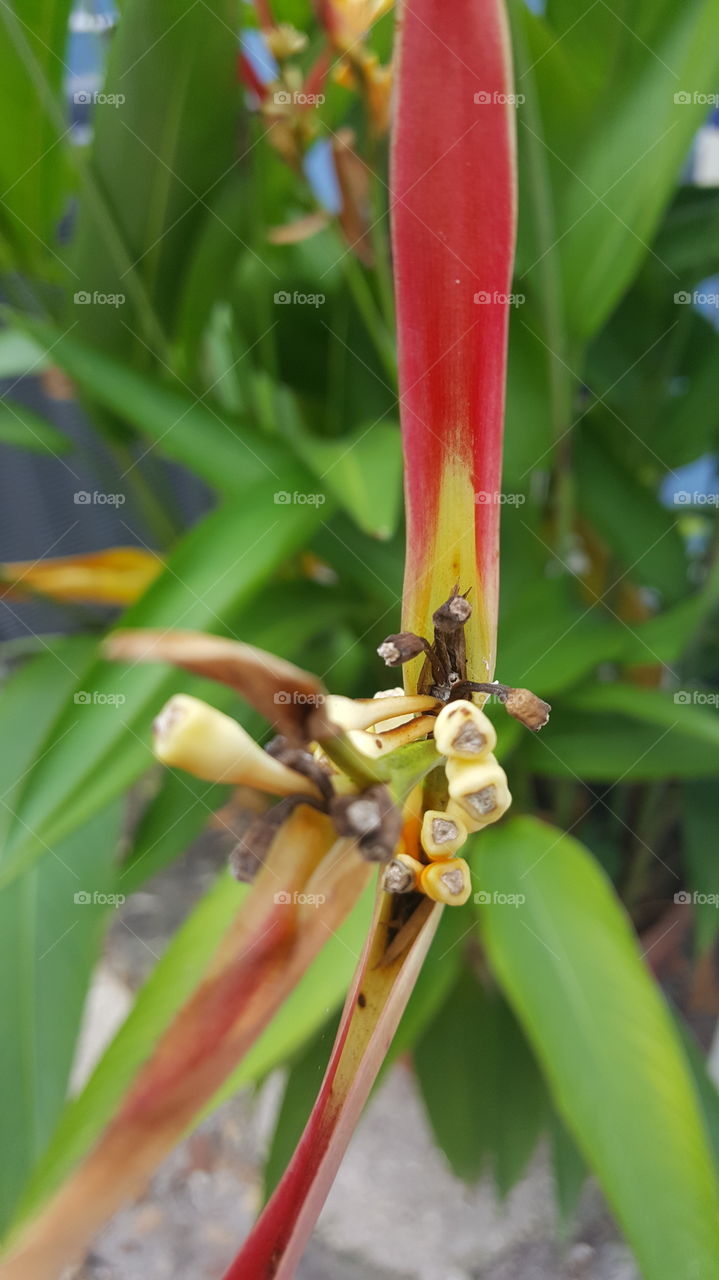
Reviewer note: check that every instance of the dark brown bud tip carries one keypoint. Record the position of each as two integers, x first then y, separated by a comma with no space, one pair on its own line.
372,819
452,614
401,648
527,707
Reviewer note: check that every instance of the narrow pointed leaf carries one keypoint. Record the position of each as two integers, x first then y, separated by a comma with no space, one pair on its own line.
119,575
569,963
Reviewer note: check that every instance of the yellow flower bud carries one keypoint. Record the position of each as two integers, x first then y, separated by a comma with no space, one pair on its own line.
402,874
479,788
189,734
448,881
442,834
463,731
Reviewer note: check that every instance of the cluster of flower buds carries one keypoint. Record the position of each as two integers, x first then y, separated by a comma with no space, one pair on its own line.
477,796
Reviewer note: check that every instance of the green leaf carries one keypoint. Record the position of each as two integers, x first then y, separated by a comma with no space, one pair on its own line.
705,1085
20,355
618,184
547,642
20,427
156,169
31,156
652,706
229,455
48,940
569,963
598,747
363,472
172,820
95,750
570,1173
480,1083
646,540
699,806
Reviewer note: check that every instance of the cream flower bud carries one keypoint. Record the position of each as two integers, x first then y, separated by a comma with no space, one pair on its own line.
402,874
442,834
462,730
348,714
448,882
479,788
189,734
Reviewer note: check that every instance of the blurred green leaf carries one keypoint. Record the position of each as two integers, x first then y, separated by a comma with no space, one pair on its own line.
700,856
569,963
570,1173
611,747
652,706
31,155
20,355
645,540
93,751
172,820
20,427
229,455
614,188
549,641
158,154
48,939
363,472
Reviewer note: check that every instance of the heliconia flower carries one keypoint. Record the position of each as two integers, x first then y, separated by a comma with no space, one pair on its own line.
117,576
453,229
400,779
453,210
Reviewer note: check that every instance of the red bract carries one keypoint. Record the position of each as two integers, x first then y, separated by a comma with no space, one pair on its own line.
453,206
453,214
